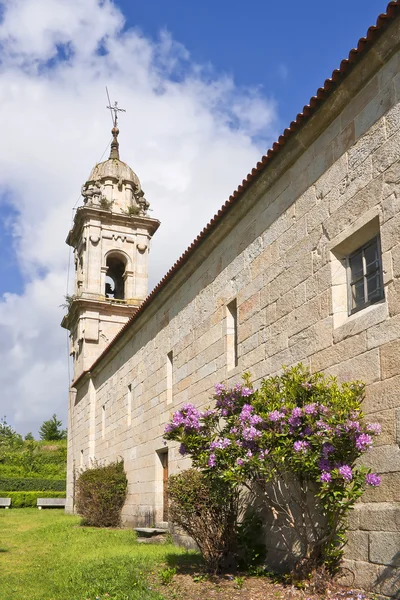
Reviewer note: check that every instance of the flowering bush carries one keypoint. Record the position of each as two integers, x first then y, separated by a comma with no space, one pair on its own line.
297,439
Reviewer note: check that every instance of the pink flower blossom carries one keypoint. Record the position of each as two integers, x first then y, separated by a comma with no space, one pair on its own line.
276,415
301,446
346,472
373,479
363,441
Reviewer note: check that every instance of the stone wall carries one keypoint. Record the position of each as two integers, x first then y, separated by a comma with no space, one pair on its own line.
277,253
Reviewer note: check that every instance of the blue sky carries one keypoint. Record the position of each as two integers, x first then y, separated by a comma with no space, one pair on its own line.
288,48
208,87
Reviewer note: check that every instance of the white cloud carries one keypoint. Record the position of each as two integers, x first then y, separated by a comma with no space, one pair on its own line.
190,135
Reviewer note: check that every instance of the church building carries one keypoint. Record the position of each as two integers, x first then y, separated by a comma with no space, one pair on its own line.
302,263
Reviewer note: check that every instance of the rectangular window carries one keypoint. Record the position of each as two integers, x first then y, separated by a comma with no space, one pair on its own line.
170,369
231,335
364,276
103,420
129,405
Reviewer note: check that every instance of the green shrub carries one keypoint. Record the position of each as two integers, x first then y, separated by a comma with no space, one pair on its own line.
32,484
101,493
28,499
207,509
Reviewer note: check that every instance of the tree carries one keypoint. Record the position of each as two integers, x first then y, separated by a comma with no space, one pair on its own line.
29,437
51,430
8,436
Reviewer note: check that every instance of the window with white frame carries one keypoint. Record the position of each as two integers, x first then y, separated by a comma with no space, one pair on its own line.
364,276
356,268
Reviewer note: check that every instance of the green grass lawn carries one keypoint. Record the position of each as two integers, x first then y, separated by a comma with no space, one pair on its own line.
46,555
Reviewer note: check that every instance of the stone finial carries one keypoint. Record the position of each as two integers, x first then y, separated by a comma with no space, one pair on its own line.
114,153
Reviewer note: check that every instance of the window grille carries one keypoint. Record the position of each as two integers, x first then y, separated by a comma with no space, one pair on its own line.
364,276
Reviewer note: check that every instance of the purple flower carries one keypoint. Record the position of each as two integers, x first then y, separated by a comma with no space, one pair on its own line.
373,479
246,412
249,454
355,425
188,418
326,477
294,421
264,453
182,450
219,388
208,413
212,461
250,433
310,409
297,412
240,462
220,444
346,472
245,391
276,415
363,441
324,464
255,420
374,428
307,385
322,425
327,449
301,446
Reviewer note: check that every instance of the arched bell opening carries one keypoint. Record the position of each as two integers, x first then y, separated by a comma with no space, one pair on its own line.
115,284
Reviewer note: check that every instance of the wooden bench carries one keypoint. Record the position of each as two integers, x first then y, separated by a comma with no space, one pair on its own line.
5,502
51,503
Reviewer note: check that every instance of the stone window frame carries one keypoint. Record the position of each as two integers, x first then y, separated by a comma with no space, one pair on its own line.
354,237
354,309
232,345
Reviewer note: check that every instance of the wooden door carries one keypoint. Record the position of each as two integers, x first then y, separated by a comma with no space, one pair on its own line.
164,462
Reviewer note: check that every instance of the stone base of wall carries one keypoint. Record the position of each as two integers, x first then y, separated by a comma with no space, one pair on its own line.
379,579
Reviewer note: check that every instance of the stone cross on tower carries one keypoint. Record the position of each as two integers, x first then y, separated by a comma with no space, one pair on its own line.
115,109
114,152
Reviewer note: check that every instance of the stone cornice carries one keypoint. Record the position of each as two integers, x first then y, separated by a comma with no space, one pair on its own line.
107,217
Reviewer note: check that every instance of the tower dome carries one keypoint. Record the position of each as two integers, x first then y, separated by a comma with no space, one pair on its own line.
113,185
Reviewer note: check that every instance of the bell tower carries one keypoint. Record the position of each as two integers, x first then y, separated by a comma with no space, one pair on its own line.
110,237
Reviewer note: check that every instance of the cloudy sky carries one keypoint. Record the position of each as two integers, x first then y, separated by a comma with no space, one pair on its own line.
207,87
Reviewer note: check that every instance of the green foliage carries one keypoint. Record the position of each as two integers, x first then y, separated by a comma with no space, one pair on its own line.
9,438
132,211
105,204
296,441
207,509
101,493
28,499
167,575
32,485
34,459
29,437
51,430
239,582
